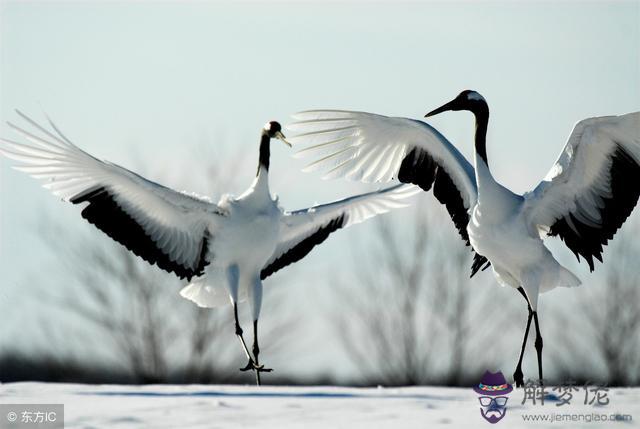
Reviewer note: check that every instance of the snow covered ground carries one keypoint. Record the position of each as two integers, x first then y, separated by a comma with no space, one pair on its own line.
198,406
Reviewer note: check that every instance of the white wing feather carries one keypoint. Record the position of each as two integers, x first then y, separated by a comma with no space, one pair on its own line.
579,188
301,225
579,180
370,148
174,221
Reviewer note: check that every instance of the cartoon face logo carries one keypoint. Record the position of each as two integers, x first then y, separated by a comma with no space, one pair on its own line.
493,389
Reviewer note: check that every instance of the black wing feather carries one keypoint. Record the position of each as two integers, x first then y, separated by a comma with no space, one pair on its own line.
419,168
625,190
105,213
302,249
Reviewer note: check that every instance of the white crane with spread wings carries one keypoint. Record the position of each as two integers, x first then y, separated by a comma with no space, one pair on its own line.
240,240
588,194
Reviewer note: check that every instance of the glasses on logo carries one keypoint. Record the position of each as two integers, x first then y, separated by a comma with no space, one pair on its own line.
486,401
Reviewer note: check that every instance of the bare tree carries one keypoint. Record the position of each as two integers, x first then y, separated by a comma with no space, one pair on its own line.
409,319
617,328
597,338
611,320
133,311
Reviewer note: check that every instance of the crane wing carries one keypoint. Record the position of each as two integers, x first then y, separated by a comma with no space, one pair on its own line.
593,186
374,148
302,230
162,226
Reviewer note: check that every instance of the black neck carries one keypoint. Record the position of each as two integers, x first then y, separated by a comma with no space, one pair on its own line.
482,120
265,152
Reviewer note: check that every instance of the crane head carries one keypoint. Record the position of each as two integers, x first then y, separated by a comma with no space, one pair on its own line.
466,100
273,129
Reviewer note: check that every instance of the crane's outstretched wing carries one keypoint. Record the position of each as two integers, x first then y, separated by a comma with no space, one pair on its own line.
302,230
375,148
593,186
162,226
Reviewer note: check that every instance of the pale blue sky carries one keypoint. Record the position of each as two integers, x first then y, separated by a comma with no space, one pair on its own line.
145,84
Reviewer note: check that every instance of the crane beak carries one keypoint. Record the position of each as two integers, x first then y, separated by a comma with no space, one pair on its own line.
444,108
281,137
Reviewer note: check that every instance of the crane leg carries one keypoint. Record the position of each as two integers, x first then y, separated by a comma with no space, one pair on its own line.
256,351
517,375
251,364
538,345
233,277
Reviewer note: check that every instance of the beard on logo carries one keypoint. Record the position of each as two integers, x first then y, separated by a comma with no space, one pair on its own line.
493,415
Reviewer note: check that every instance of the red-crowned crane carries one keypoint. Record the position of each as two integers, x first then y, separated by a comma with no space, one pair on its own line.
587,195
237,242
